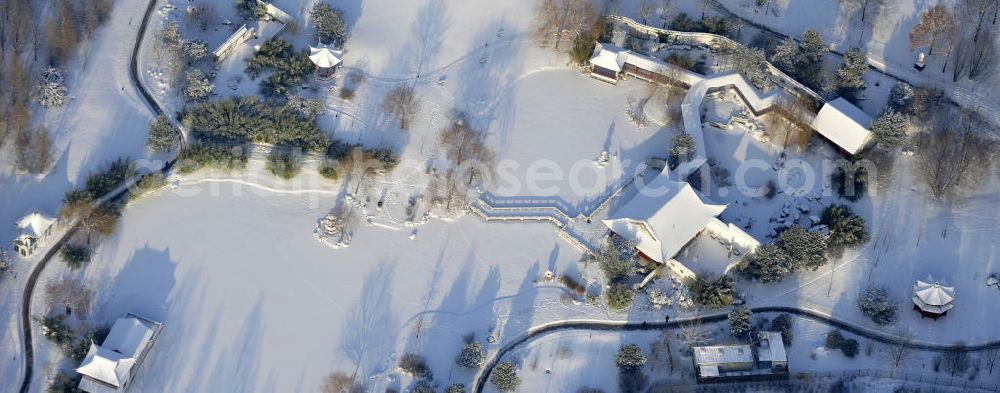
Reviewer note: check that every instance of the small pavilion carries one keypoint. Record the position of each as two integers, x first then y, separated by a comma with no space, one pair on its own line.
932,300
326,60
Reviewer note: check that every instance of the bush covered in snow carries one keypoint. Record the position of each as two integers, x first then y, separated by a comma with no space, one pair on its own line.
616,258
455,388
739,322
682,149
619,296
197,86
64,382
846,228
848,346
75,255
196,51
307,108
288,67
330,25
713,291
504,377
250,10
422,386
199,156
51,89
283,163
752,64
900,96
246,119
162,135
876,304
630,357
472,355
55,328
415,365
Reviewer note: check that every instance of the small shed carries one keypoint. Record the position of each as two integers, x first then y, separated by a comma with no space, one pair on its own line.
844,124
932,300
325,60
32,229
606,62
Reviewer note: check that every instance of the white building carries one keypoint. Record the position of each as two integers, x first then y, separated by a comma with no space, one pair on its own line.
844,124
32,229
765,360
112,365
665,216
932,300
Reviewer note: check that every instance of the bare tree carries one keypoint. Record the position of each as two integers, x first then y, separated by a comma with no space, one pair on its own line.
692,333
936,23
973,13
982,57
956,360
990,356
900,349
61,32
644,9
562,19
954,151
340,383
402,103
71,294
466,149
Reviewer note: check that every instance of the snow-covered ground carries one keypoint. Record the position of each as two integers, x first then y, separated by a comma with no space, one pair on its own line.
251,301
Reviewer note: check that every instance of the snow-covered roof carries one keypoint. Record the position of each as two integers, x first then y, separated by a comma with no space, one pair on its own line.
721,354
771,347
608,56
934,298
112,361
844,124
35,224
324,57
663,217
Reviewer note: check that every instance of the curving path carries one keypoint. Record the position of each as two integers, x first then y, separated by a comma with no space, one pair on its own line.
114,196
552,327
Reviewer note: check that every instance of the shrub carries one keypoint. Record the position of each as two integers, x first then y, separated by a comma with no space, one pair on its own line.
900,96
65,382
199,156
289,68
682,148
685,61
246,119
713,292
415,365
847,346
114,174
198,87
162,135
329,171
630,357
385,156
889,129
50,92
783,323
504,377
571,284
283,164
55,329
75,255
739,322
472,356
632,381
876,304
149,183
422,386
250,9
455,388
620,296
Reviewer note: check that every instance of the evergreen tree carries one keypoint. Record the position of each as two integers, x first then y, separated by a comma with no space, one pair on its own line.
620,296
875,303
851,186
504,377
850,74
900,96
162,135
752,64
739,322
846,228
712,292
630,357
806,249
330,24
890,129
198,87
75,255
472,356
769,263
787,56
455,388
51,89
616,258
682,148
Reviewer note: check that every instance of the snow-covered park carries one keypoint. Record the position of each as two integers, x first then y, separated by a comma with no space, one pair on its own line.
259,289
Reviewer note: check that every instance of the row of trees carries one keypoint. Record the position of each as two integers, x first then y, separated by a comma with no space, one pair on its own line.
288,68
247,119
